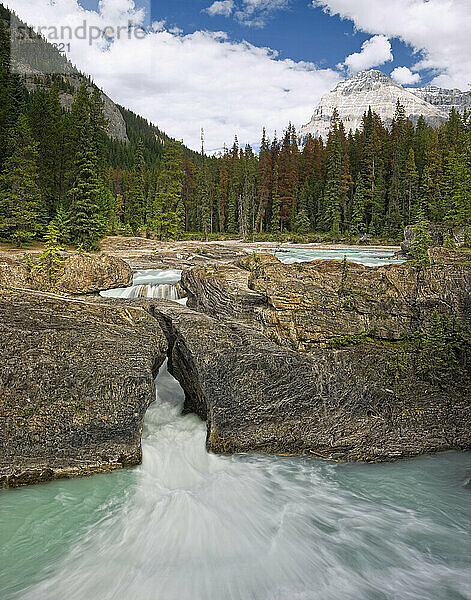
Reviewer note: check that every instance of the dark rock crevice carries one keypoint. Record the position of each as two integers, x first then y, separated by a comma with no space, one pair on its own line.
336,403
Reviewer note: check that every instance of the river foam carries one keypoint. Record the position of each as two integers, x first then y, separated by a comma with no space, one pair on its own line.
188,525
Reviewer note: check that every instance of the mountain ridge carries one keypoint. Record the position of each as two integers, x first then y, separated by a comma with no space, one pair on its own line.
353,96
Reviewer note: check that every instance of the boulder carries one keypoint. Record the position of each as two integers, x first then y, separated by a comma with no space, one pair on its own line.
437,233
79,274
365,240
76,380
89,273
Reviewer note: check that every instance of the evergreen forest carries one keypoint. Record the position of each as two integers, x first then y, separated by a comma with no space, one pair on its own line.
60,172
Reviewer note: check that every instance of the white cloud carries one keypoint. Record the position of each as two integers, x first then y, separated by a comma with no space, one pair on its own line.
374,52
222,8
185,82
438,29
404,76
253,13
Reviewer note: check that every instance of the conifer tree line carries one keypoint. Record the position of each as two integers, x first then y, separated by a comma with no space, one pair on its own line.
60,172
376,180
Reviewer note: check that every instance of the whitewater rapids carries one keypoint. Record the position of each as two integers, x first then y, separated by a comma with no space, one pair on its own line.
188,525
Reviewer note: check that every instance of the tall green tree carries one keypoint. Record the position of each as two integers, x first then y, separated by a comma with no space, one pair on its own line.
331,198
86,220
169,211
20,195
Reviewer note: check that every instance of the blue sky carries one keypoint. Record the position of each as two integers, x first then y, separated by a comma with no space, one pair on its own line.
301,31
265,63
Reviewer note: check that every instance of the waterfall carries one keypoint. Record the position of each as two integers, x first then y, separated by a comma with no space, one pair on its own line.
188,525
163,290
154,283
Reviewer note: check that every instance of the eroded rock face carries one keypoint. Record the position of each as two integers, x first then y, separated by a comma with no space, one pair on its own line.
443,98
75,383
310,304
79,274
87,273
335,403
223,291
353,96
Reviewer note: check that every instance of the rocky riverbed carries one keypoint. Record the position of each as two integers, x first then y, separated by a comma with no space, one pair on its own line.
316,358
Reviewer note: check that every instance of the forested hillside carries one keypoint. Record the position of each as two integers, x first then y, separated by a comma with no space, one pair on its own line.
63,178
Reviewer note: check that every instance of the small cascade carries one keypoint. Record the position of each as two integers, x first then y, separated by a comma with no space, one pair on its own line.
167,291
150,284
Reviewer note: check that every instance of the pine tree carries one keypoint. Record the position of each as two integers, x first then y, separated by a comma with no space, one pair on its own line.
234,188
168,211
61,222
189,193
462,195
396,194
448,241
411,183
20,196
86,224
265,180
45,119
276,204
331,199
287,176
50,260
421,242
357,222
302,224
223,190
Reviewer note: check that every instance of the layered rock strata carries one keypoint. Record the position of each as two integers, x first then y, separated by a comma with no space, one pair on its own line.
76,380
311,304
337,403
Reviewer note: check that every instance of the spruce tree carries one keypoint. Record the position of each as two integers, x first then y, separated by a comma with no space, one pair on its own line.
86,224
234,189
411,183
331,200
168,208
357,223
302,224
287,176
45,119
20,196
50,260
276,204
265,180
62,224
421,242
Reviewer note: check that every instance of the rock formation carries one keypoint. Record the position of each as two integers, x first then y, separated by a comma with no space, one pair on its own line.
355,95
34,59
339,403
311,304
79,274
437,233
330,359
76,380
443,98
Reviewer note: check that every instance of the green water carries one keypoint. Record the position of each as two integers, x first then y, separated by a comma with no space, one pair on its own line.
189,525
